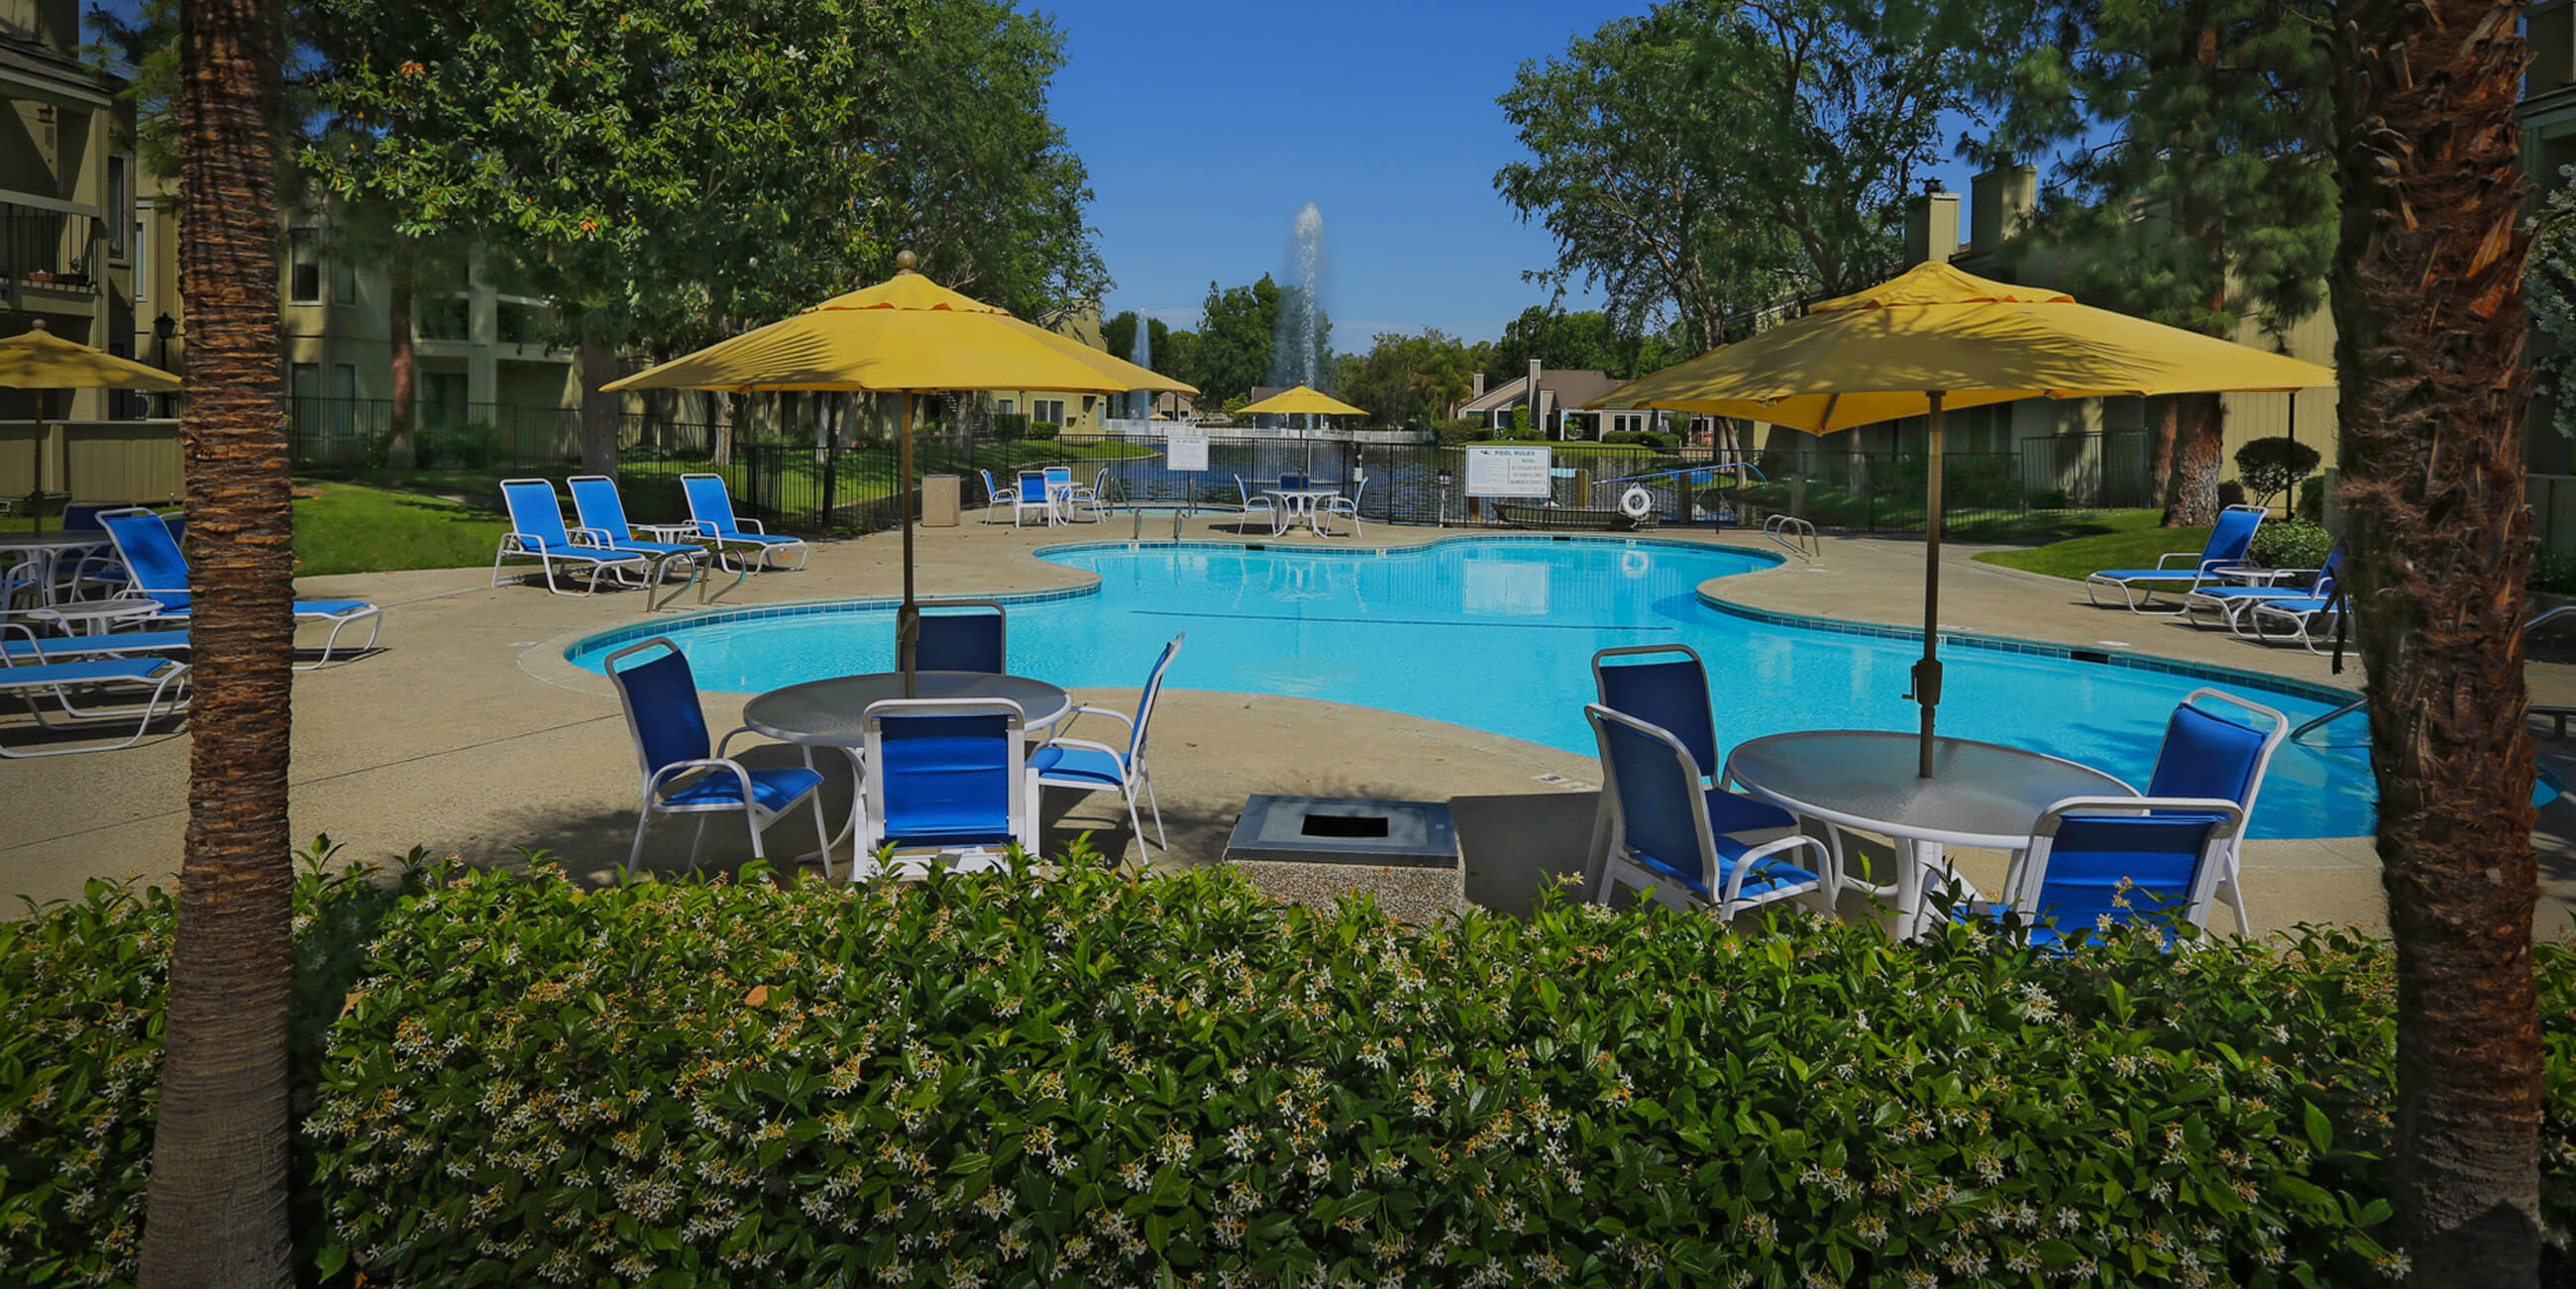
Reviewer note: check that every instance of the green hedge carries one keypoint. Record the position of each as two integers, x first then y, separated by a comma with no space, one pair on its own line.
1075,1080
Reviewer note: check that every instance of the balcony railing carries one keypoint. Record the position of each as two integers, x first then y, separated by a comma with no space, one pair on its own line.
46,246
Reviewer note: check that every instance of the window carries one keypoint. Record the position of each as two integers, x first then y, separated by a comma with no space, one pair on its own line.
1050,410
344,397
442,398
119,200
448,319
303,267
1008,406
344,279
142,270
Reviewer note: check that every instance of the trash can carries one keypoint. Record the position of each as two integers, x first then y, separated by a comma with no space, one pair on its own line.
939,501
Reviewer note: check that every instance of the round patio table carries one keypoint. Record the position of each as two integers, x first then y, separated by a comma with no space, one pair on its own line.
1983,795
832,713
47,551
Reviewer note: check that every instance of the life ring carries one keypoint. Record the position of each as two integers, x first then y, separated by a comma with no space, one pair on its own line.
1636,503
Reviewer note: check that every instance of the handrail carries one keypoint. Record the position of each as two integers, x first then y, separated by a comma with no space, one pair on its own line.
2345,710
1798,535
2355,705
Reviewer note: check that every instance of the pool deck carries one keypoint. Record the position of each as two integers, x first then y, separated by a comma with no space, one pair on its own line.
467,733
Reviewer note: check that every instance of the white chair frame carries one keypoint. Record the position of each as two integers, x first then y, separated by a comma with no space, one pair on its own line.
729,548
2138,599
1263,504
1619,869
1020,503
32,679
1341,505
514,544
756,816
1023,810
1132,774
2028,876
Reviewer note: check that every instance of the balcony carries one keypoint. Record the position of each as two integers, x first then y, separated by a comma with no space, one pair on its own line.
47,246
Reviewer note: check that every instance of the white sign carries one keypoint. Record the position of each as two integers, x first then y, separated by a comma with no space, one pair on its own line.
1189,455
1508,472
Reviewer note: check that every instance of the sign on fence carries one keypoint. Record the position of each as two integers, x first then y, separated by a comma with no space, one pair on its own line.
1186,455
1508,472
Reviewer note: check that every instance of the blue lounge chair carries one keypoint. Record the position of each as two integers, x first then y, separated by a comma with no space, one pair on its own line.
1662,841
35,682
537,532
1085,766
711,509
2231,603
962,635
1666,686
947,775
681,776
151,555
2095,861
2222,554
602,515
2305,618
20,643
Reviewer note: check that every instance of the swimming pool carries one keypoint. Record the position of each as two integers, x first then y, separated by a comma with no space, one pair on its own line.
1498,634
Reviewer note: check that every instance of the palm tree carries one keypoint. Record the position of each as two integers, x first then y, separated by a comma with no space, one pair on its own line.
217,1210
2428,301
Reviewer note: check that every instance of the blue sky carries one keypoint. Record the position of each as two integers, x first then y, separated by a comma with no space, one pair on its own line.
1206,126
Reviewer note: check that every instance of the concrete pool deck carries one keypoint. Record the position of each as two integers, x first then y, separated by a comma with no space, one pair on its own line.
467,733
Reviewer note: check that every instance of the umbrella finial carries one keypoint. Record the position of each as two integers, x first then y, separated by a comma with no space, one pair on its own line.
906,261
39,325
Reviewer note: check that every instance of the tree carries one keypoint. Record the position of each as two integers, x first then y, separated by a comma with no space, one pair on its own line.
974,175
663,179
1237,327
2270,467
1717,158
2217,113
217,1204
2430,320
1408,379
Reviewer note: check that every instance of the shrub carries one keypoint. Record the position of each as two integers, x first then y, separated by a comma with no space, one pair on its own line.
2272,466
1464,429
471,446
1010,426
2312,499
1043,429
2290,543
2230,493
2051,499
2552,571
1081,1079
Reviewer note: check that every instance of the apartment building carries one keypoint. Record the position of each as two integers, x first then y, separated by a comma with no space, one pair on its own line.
68,242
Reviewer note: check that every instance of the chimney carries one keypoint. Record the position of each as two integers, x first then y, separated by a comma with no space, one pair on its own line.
1480,386
1932,226
1998,202
1538,414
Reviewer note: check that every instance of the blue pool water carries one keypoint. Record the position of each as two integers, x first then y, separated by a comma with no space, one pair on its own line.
1498,634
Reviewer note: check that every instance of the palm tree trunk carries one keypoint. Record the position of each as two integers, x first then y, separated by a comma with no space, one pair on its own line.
2191,485
217,1206
2429,308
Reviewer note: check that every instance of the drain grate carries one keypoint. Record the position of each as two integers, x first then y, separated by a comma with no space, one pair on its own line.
1338,830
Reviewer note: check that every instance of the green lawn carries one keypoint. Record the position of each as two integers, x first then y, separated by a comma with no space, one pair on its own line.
350,528
2135,545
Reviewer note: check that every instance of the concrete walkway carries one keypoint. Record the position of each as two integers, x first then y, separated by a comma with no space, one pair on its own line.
467,733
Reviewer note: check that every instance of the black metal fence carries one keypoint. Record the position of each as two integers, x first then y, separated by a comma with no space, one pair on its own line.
819,485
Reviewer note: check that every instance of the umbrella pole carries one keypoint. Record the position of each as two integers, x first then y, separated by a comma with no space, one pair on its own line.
907,620
36,489
1927,673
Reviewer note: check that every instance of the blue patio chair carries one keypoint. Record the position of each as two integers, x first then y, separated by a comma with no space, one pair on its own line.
1073,498
2224,552
33,683
995,497
1252,503
1666,686
1086,766
711,509
150,552
1662,841
2219,756
93,572
1033,495
962,635
681,777
2231,603
948,775
2097,861
1347,507
537,532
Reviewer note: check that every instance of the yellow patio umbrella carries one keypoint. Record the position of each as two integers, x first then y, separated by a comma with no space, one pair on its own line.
1302,400
906,335
1935,338
1299,399
39,359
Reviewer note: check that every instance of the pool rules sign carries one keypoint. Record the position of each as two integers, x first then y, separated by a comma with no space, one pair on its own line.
1509,472
1186,454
